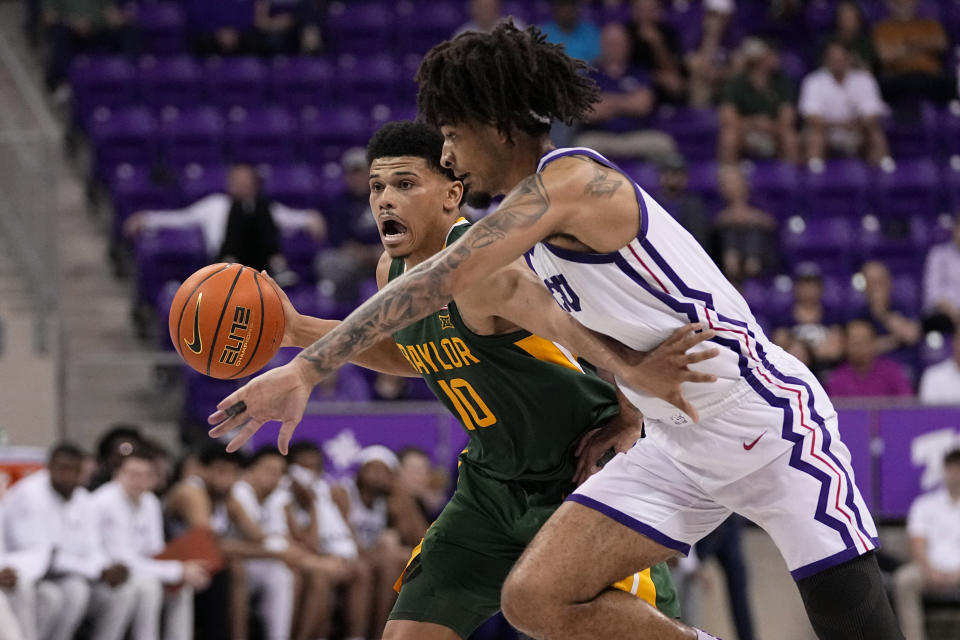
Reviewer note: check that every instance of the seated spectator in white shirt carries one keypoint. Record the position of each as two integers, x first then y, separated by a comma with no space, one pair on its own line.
941,285
940,384
131,528
239,226
272,576
842,108
49,512
316,522
933,526
26,605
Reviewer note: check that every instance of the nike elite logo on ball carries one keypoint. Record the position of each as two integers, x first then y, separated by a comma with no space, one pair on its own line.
747,447
197,345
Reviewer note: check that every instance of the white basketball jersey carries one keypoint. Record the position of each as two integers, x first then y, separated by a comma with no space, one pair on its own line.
640,294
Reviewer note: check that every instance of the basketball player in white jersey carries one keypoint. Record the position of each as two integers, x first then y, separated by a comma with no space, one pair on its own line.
762,440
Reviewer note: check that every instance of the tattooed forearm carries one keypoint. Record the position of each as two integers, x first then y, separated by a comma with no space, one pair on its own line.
429,286
604,182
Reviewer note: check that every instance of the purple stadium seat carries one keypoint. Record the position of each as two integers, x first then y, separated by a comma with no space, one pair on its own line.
162,27
951,183
166,254
133,189
794,65
951,20
839,190
703,181
354,26
260,135
202,395
819,16
775,188
326,132
236,81
912,187
175,80
382,114
300,249
311,300
695,131
198,181
406,84
687,19
839,296
164,301
122,135
302,81
294,185
332,187
935,348
368,80
825,241
914,137
949,129
101,81
643,173
904,293
192,134
420,28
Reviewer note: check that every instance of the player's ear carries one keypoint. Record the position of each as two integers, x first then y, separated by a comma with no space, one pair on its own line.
454,196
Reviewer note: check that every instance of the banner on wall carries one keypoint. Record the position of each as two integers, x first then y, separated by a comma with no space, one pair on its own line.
855,431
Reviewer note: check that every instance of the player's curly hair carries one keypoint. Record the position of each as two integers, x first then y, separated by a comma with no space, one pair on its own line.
510,78
406,138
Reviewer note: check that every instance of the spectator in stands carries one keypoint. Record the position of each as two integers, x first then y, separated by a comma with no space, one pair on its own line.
933,526
811,322
421,480
80,26
746,236
239,226
865,373
50,513
940,383
896,327
842,109
386,523
118,441
130,523
911,51
273,561
354,235
202,501
484,16
708,64
225,27
580,38
757,115
316,522
850,31
27,605
655,48
289,26
619,125
941,285
686,207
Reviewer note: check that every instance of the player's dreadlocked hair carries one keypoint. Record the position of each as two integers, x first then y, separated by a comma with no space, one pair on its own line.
508,78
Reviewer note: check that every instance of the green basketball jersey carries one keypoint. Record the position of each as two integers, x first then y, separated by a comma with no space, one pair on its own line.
523,400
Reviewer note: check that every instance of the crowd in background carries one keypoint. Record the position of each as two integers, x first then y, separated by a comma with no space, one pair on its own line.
221,545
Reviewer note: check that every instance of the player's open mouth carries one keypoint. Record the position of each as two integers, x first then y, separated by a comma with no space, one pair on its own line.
392,230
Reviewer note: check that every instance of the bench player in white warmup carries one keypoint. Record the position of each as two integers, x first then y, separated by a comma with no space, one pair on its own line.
766,445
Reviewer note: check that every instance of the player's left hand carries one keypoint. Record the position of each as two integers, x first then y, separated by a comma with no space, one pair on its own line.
280,394
619,434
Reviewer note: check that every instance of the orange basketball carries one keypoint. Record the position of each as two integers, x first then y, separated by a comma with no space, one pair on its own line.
226,321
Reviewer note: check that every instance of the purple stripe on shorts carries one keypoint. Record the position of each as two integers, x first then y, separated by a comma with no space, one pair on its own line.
630,522
846,555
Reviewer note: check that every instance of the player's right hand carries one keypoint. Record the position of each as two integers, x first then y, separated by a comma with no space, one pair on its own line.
291,317
661,372
195,575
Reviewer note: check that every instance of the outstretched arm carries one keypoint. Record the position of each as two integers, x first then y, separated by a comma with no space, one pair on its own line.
526,216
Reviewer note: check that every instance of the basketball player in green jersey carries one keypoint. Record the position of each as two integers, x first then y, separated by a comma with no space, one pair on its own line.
529,406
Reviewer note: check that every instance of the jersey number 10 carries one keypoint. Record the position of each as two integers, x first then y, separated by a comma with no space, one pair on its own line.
473,411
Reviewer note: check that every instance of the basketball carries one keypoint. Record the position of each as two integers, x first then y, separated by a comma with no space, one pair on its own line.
226,321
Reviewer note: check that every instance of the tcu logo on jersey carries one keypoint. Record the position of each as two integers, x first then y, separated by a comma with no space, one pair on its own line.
562,293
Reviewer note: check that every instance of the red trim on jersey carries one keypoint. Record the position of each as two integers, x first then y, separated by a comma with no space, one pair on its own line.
644,264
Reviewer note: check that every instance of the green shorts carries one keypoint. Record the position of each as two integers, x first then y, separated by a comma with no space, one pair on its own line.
456,573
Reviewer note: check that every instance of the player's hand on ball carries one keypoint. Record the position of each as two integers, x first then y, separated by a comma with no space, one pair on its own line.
661,372
291,317
280,394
